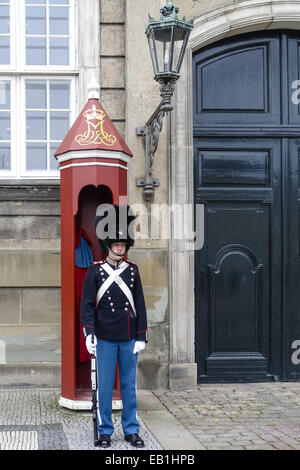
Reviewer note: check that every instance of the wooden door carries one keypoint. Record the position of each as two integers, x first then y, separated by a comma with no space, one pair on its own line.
246,173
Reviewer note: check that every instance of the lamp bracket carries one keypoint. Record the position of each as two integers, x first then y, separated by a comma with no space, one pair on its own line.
141,182
150,133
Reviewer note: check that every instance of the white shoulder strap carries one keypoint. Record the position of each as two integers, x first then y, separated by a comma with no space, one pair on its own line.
114,276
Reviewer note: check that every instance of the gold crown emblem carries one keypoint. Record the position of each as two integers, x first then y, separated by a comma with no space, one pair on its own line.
94,113
95,132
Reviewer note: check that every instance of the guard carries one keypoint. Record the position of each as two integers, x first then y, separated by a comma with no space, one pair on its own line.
113,309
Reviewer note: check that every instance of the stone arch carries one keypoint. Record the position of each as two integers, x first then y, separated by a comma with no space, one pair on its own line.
243,17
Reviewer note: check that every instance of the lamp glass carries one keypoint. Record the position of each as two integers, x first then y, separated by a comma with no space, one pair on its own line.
167,44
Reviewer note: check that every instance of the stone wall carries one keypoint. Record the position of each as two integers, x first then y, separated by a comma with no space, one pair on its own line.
112,61
29,280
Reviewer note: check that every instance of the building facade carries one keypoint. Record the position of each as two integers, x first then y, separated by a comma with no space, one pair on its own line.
225,309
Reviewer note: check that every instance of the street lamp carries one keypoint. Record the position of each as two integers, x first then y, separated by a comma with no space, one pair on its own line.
167,39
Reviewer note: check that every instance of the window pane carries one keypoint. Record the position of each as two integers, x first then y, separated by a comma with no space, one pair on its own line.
59,2
36,156
5,157
36,94
59,51
59,95
53,161
38,2
4,126
36,51
4,50
35,20
59,21
4,94
59,125
4,19
36,125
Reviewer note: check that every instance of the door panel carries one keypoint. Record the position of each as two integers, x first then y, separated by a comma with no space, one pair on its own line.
238,181
234,82
293,101
246,162
291,273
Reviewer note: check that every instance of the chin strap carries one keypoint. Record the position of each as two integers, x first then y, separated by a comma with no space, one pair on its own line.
122,256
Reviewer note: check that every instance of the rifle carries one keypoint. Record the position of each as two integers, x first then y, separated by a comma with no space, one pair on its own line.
94,385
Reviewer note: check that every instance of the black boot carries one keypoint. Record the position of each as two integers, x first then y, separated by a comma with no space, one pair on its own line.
134,440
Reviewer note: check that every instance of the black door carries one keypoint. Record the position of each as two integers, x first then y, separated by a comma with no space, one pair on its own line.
246,154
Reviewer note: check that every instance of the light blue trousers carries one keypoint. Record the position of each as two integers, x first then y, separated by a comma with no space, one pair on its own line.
108,353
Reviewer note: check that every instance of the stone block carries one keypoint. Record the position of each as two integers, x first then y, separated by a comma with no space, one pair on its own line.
157,303
112,72
29,227
152,376
29,269
40,305
10,305
32,374
114,102
31,343
153,266
121,127
182,376
30,208
112,40
158,344
112,11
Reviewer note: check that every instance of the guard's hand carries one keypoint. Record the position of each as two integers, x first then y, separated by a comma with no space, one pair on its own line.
139,346
91,346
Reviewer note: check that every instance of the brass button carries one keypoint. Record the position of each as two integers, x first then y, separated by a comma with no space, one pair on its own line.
131,285
126,303
111,304
112,309
109,298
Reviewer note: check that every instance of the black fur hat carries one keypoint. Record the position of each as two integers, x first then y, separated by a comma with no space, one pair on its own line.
113,224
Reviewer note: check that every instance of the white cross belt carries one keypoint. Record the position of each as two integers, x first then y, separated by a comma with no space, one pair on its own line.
114,276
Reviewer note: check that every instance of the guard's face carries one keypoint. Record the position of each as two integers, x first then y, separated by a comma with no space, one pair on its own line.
117,249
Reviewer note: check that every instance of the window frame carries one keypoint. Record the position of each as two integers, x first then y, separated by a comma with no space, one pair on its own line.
71,35
22,151
18,36
18,72
13,118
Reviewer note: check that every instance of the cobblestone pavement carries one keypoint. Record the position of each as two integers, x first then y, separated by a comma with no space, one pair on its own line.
212,417
239,416
32,419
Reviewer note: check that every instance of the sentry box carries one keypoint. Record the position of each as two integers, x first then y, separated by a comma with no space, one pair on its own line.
93,161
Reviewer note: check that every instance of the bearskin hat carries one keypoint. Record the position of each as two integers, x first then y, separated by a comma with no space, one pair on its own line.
113,224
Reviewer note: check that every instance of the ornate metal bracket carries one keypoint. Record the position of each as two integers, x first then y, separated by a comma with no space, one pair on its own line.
150,132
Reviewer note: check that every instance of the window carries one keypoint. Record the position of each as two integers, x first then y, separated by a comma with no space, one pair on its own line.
37,84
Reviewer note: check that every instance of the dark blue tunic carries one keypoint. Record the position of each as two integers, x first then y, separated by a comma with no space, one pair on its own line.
113,319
